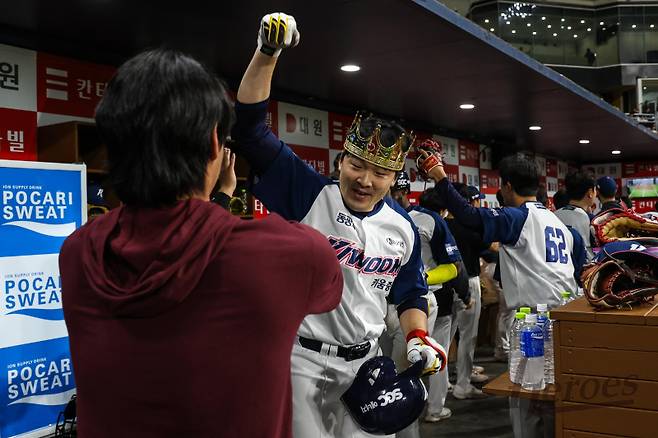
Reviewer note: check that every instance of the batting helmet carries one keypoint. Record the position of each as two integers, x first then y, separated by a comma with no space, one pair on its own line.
402,181
383,402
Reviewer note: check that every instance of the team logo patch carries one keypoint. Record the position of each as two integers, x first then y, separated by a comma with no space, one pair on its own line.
344,219
394,242
451,249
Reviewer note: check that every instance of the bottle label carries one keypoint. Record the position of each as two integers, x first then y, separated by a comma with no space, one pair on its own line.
532,342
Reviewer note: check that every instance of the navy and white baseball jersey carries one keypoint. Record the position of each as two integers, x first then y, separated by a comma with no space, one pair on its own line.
579,220
438,246
379,252
539,256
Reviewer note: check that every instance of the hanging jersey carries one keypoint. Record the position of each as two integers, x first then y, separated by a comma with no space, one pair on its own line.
438,246
536,261
379,252
578,219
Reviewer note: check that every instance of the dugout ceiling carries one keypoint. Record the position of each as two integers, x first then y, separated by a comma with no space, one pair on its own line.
419,61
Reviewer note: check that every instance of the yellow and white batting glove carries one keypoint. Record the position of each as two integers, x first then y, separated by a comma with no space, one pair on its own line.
277,31
422,347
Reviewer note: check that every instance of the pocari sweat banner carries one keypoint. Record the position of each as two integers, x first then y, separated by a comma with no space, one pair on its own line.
41,204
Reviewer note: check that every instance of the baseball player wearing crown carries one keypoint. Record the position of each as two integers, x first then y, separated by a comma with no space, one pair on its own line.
375,241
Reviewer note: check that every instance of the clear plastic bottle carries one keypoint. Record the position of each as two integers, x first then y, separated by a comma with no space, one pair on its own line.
549,352
532,346
566,298
526,310
542,314
516,359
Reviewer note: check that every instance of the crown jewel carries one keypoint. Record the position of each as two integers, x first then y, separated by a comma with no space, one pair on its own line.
371,149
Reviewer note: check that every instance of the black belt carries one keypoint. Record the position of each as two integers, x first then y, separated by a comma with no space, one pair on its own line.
348,353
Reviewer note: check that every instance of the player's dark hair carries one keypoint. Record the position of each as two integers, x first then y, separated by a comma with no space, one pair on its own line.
521,173
542,195
560,199
499,198
577,185
157,118
431,200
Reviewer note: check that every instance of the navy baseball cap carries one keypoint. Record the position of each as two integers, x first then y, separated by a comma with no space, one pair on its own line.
402,181
471,193
606,186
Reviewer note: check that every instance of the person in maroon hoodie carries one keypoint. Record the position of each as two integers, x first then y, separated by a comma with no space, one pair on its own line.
182,317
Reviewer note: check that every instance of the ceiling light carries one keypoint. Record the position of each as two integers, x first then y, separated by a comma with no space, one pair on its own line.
507,22
549,26
616,152
350,68
534,33
644,88
582,21
601,23
562,20
467,106
491,29
529,24
513,31
554,34
651,26
589,29
634,26
534,128
583,141
561,27
543,18
575,36
486,20
568,27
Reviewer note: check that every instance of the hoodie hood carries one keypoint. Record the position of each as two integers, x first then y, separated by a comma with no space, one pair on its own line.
144,261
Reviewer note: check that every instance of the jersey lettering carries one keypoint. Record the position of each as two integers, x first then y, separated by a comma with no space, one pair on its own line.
349,254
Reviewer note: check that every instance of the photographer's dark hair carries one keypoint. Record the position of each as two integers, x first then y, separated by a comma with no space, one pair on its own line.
157,118
577,184
560,199
521,173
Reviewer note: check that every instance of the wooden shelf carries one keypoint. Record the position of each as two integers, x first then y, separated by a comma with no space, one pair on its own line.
502,385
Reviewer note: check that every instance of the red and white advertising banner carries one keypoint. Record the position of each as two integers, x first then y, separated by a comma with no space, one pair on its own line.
469,175
18,72
18,135
414,197
259,209
317,158
551,185
541,164
489,181
606,169
420,186
450,149
67,86
490,201
645,204
562,169
339,124
639,169
485,157
303,126
551,168
452,172
469,154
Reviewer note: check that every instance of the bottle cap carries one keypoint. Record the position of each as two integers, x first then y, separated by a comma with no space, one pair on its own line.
542,307
526,310
566,294
519,315
531,318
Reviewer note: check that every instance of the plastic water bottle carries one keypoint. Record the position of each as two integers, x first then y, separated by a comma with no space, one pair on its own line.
532,346
549,354
516,359
542,314
526,310
566,297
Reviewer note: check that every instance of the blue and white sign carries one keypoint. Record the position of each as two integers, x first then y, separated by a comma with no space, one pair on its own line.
41,204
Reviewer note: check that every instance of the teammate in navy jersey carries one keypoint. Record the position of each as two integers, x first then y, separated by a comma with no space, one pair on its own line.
539,256
375,241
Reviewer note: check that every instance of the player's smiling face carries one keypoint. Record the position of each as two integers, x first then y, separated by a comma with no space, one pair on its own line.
363,184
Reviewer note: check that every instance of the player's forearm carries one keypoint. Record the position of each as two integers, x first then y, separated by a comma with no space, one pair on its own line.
257,80
413,319
466,214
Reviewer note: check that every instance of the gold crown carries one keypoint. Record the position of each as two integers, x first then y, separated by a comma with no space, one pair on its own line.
372,150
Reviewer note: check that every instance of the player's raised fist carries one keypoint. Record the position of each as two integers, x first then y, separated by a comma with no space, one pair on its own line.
277,31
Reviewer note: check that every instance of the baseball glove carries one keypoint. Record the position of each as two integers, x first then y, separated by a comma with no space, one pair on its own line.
617,224
624,273
434,150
